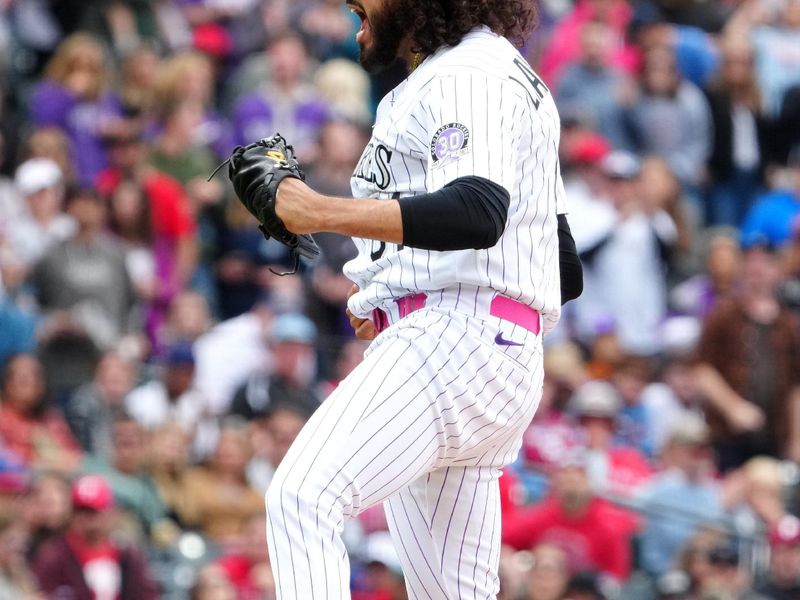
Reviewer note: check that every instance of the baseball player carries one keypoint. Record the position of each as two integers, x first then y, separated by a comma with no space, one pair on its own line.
457,278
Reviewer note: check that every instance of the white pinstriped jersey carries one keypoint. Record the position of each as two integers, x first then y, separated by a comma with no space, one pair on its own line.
473,109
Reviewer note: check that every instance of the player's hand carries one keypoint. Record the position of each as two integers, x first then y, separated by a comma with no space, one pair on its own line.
746,417
364,328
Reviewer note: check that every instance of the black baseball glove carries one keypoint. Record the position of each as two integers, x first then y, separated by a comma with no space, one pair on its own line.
256,171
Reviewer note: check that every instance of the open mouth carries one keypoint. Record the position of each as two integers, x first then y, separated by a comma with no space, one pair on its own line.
363,35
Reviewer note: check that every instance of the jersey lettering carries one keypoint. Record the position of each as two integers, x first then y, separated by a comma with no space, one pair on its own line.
374,165
539,88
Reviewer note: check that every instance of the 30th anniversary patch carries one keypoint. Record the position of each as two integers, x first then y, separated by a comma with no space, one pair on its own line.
451,141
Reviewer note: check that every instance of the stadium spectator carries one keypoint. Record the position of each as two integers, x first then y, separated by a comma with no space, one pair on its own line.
75,97
29,426
172,396
564,44
786,129
189,77
137,83
218,499
229,353
340,146
134,491
673,398
346,89
168,465
45,509
553,434
697,295
92,408
42,222
189,318
172,222
634,423
739,150
627,287
754,495
329,29
694,558
83,279
670,119
680,498
747,358
616,470
286,103
291,379
213,583
589,530
85,561
130,223
591,89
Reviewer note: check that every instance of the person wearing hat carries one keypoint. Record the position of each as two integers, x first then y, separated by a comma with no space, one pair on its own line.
171,396
625,277
40,224
682,497
614,469
84,561
291,379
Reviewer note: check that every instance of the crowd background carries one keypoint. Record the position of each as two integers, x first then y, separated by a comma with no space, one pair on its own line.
155,369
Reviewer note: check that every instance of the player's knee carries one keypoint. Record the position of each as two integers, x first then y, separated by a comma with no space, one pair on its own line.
289,493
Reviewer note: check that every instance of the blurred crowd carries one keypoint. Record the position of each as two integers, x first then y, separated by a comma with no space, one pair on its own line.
156,368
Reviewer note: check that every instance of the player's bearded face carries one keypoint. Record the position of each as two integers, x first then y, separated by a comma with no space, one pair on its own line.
382,31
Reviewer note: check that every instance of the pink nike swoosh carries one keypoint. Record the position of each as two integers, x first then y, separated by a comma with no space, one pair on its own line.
499,339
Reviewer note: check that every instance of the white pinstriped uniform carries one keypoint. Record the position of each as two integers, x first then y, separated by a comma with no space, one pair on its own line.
438,406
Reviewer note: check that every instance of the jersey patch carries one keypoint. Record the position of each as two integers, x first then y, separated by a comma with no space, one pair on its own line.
450,142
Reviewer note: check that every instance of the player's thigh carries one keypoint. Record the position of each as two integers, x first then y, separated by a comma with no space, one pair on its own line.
377,432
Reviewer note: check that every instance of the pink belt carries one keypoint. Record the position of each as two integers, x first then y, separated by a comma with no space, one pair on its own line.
501,307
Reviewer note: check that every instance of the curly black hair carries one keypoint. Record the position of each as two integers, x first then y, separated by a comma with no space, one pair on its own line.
436,23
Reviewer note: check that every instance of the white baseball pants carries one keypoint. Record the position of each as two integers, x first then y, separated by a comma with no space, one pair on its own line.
426,422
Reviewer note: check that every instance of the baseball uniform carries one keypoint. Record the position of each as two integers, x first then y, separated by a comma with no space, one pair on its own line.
449,385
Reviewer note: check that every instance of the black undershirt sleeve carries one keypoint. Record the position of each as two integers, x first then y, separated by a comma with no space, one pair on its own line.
569,263
469,212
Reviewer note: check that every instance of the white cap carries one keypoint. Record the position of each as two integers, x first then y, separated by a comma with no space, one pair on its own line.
37,174
596,399
621,165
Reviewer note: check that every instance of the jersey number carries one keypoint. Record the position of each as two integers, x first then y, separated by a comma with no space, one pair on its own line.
376,254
